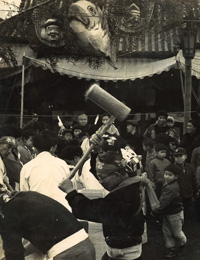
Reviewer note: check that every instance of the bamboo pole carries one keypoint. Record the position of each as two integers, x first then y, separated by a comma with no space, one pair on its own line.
22,94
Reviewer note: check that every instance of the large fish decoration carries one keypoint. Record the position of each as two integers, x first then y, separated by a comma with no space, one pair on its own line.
88,24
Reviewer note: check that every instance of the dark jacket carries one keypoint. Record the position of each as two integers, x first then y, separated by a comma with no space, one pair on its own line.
188,181
37,218
189,142
121,227
170,200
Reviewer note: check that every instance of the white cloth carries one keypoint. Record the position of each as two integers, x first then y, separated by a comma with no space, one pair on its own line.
127,253
43,174
66,243
85,145
3,176
2,171
86,179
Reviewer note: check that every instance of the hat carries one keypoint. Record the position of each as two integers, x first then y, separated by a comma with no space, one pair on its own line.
173,168
52,21
161,113
132,122
106,168
180,151
8,140
159,147
170,119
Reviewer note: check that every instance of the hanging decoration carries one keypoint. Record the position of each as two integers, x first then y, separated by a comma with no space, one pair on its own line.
92,29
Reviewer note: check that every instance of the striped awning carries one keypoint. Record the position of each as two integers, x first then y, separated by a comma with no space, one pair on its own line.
128,68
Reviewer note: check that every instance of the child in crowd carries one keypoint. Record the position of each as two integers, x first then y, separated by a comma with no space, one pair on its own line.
157,167
171,129
76,131
148,147
172,146
171,206
67,135
160,127
187,180
112,130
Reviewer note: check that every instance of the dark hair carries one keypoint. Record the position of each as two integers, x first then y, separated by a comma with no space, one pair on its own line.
82,134
44,141
27,133
147,141
195,123
105,114
161,113
69,152
77,126
67,131
174,169
159,147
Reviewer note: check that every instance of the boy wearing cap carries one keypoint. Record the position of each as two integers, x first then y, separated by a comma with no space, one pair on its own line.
171,207
187,180
157,167
119,212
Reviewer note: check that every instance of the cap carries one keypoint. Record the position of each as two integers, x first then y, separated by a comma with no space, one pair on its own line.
8,140
132,122
170,119
52,21
173,168
105,169
180,151
159,147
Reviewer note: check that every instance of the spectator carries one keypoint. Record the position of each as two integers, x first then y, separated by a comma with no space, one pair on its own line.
154,130
77,129
25,146
173,145
157,167
67,135
187,180
171,129
171,207
132,136
120,212
112,130
6,145
12,162
33,120
148,146
85,125
45,171
49,226
191,139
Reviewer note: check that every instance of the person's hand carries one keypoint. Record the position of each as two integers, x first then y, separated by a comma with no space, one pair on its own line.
66,186
96,139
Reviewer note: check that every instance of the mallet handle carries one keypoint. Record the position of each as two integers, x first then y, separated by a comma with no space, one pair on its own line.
85,156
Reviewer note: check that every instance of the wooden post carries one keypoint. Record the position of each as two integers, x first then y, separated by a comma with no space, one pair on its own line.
22,94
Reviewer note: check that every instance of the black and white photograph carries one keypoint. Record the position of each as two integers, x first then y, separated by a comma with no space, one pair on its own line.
99,129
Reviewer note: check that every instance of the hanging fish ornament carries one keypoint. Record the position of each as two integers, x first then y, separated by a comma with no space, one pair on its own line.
88,24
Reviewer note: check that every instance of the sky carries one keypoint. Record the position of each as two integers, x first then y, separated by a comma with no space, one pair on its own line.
5,8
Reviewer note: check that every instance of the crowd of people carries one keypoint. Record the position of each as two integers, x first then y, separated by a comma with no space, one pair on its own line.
42,211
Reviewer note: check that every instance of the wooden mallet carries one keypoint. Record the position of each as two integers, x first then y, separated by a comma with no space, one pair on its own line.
113,106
